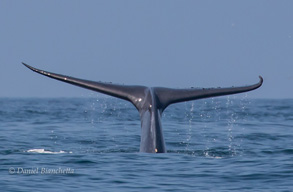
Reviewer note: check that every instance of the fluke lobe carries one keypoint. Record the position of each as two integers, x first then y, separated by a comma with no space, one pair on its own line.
150,102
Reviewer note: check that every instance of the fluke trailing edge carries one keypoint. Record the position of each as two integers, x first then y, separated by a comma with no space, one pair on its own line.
150,102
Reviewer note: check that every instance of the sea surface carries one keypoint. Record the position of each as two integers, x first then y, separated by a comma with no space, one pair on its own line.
92,144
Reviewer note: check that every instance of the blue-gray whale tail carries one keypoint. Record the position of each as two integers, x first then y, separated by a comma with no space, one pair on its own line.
150,102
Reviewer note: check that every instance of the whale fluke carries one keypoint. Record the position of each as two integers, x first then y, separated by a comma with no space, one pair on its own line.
150,102
119,91
169,96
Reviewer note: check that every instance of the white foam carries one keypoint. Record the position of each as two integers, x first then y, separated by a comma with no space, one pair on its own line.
44,151
213,157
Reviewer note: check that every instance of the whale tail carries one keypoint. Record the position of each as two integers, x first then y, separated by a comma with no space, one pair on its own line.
169,96
134,94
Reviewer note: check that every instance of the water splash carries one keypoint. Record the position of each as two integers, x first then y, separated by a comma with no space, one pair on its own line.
215,113
45,151
230,126
190,116
233,120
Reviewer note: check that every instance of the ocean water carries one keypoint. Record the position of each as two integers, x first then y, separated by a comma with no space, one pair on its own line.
92,144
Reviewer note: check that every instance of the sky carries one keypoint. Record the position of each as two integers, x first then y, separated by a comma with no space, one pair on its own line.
178,44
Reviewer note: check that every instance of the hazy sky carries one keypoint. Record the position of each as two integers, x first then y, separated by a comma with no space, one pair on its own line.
168,43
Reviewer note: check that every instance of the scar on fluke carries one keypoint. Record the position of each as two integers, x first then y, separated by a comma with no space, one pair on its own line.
150,102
